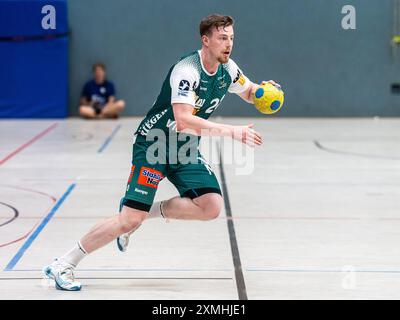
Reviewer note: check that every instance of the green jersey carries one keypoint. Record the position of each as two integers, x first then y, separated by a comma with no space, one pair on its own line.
188,82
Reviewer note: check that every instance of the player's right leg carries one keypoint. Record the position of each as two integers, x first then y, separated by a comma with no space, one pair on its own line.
62,269
123,239
142,185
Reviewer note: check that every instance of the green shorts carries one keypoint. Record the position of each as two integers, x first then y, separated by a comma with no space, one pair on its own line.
191,180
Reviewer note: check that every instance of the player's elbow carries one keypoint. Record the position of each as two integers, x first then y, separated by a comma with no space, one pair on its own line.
183,123
183,115
186,126
180,124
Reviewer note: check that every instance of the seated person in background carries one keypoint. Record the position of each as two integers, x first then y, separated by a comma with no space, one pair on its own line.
98,96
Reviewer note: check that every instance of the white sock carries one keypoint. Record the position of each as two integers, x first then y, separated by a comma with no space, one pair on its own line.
156,211
75,255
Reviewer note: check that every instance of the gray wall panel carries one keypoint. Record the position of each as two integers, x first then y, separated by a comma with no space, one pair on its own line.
325,70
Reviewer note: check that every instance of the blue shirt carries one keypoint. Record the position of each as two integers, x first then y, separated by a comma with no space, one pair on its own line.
98,92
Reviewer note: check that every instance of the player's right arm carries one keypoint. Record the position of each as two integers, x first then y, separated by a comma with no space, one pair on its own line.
189,123
184,79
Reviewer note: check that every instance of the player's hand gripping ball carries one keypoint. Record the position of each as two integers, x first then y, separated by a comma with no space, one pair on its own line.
268,98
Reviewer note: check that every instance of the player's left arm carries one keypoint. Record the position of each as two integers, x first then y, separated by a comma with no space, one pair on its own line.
241,85
248,94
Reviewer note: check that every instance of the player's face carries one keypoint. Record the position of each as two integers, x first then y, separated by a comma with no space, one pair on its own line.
220,43
99,75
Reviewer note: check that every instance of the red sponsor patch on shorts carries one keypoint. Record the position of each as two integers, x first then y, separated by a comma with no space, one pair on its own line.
149,177
131,175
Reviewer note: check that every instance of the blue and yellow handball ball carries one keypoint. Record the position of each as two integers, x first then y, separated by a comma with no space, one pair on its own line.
268,98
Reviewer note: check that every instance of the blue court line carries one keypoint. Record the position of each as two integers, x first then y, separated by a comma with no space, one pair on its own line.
39,229
108,140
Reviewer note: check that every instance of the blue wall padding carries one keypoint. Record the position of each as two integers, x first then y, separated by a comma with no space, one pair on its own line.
25,17
33,61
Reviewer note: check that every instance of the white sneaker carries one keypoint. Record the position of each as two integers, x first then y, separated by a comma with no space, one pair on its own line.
50,271
123,240
63,275
65,280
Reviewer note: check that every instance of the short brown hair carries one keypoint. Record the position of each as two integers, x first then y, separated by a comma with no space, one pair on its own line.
98,65
215,20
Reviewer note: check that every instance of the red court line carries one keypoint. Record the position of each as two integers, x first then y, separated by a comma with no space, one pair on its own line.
53,199
19,239
27,144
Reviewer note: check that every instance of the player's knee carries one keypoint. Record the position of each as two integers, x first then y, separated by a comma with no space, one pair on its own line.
212,213
129,219
213,207
129,223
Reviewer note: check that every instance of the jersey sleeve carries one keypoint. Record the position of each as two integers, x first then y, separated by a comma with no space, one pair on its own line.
184,80
240,82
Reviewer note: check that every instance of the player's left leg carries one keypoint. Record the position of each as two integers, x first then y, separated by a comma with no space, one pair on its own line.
113,110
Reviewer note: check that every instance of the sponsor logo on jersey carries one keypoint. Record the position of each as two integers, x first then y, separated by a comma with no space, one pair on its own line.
171,124
239,78
204,81
242,80
222,84
145,127
203,88
131,175
183,88
149,177
200,102
141,191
